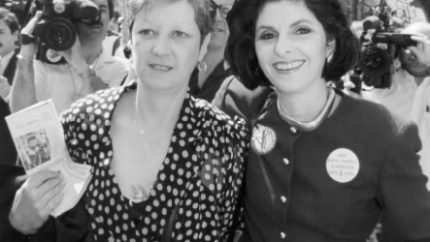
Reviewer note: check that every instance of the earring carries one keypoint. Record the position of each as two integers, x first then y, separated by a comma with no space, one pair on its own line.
329,58
202,66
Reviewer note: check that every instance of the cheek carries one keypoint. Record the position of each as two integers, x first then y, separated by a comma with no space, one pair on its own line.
263,53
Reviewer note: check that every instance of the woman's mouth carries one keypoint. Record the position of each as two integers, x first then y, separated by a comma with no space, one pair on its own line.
159,67
288,66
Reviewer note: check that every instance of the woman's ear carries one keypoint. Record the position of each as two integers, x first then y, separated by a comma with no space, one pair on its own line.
331,47
204,47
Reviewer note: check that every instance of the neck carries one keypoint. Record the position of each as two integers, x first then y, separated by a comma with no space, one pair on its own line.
419,80
304,107
91,49
159,108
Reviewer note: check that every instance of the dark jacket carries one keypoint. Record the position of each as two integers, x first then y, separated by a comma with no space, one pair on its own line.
7,149
71,226
293,192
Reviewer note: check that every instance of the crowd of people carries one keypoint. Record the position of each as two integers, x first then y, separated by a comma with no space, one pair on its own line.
218,121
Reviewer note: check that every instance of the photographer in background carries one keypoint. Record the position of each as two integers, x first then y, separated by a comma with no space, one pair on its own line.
9,31
87,66
409,93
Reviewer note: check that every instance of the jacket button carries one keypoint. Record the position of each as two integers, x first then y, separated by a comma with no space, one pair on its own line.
283,235
286,161
283,199
293,130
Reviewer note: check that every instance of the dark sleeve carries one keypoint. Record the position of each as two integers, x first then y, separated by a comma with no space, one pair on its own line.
9,184
72,226
235,168
406,199
236,100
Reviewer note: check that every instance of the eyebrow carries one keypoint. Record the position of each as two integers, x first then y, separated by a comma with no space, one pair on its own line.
298,22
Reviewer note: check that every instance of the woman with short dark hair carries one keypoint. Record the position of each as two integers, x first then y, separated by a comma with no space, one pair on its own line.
323,166
165,166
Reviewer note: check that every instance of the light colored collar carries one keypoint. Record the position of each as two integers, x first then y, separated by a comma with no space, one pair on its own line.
311,125
4,61
103,58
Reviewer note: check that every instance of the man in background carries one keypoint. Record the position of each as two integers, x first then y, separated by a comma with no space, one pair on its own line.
409,93
9,31
88,66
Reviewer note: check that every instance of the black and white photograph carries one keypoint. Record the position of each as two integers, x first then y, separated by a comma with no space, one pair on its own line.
215,120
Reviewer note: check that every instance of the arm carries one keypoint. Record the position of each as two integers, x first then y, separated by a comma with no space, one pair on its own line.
23,91
406,201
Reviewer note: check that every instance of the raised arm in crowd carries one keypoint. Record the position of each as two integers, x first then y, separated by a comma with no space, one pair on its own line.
68,75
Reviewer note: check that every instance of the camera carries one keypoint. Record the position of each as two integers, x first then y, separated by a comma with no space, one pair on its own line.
378,51
56,30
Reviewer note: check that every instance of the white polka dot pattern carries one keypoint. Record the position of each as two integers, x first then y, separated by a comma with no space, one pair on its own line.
195,195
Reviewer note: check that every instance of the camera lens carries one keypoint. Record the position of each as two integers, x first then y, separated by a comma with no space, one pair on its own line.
374,61
60,34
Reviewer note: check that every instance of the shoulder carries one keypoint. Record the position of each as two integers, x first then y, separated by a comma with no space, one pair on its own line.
373,116
212,118
236,100
93,108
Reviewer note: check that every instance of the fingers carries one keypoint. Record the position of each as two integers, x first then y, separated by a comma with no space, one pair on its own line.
48,195
52,185
39,178
52,200
29,28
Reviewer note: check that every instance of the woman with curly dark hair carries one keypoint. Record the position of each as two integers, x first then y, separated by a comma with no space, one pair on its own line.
323,166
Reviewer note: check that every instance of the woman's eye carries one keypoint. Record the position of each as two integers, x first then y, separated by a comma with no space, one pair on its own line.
180,34
267,35
303,30
147,32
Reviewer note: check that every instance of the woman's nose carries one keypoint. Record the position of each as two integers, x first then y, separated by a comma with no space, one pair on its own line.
161,46
283,45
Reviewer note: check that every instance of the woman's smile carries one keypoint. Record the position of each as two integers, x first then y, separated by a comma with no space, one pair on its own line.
288,66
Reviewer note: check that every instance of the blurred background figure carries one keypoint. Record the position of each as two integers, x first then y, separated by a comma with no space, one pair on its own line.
71,72
213,69
9,31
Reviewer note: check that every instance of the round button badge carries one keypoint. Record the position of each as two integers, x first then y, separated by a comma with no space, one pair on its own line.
263,139
342,165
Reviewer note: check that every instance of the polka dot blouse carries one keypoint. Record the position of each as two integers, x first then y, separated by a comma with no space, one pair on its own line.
194,197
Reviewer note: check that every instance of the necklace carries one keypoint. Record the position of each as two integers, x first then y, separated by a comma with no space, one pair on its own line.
136,120
138,194
311,125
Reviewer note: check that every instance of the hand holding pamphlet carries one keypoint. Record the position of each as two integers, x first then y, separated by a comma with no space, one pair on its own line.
39,140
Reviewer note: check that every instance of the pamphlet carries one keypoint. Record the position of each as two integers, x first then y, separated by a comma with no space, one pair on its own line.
39,140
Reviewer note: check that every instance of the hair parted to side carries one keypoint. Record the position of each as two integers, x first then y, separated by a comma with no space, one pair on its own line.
240,49
201,9
10,19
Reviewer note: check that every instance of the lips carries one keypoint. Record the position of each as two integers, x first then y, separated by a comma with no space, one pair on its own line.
219,27
283,66
160,67
95,25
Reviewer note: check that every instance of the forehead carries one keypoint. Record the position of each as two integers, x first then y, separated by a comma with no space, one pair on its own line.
285,12
101,2
221,2
163,12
